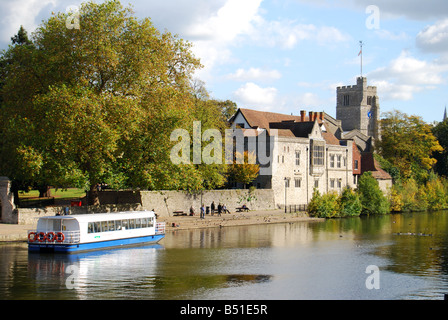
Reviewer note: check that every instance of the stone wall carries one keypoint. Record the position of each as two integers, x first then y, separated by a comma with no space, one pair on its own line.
165,202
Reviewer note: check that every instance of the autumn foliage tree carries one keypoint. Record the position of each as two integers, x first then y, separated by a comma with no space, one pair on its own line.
244,168
407,142
97,104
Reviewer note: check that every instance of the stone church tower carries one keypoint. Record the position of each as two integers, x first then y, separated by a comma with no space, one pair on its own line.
358,108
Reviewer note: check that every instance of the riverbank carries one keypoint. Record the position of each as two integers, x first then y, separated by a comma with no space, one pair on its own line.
14,232
234,219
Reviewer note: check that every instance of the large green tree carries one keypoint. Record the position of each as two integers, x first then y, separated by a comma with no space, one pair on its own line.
98,104
408,143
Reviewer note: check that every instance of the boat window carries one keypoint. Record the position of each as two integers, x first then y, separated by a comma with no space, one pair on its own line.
117,225
104,226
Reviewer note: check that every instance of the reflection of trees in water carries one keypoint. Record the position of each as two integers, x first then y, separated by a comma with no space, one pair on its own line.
418,243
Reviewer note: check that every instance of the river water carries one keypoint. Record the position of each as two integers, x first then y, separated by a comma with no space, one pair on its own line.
390,257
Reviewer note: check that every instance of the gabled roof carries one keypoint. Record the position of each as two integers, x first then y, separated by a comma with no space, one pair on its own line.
285,125
261,119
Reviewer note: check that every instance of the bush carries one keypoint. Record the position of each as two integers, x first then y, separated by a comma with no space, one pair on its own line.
372,198
323,206
350,203
332,205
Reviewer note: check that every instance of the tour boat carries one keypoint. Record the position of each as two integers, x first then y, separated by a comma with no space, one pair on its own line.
72,233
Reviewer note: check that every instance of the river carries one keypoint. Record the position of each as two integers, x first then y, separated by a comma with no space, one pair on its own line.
390,257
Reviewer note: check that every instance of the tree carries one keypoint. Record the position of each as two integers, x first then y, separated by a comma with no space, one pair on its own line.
21,37
98,104
408,143
244,169
372,198
440,131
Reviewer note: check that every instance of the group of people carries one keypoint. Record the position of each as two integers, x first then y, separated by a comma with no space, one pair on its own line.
213,208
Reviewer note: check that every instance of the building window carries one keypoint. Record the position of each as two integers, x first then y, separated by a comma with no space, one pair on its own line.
339,184
331,183
287,182
316,183
332,161
346,100
297,158
356,164
283,159
298,182
345,161
339,161
318,155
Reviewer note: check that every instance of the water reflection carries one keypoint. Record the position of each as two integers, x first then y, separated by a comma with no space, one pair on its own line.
319,260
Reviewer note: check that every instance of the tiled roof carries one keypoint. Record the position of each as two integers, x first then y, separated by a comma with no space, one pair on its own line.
368,163
286,125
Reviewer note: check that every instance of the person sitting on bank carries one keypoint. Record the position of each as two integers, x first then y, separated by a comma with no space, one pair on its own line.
191,211
224,208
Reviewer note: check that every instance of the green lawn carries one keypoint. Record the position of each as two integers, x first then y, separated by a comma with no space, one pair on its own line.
69,193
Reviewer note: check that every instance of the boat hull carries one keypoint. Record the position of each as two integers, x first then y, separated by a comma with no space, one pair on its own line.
76,247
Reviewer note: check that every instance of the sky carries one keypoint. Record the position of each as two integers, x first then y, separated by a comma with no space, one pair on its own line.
291,55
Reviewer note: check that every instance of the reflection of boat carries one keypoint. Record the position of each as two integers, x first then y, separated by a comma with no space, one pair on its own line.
95,231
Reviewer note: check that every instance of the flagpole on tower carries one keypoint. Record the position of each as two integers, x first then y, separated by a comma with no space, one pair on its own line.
360,53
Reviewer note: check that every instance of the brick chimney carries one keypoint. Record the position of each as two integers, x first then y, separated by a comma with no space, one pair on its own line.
302,115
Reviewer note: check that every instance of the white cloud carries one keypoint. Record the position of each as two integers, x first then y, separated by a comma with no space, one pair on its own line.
216,32
17,13
434,38
251,94
407,75
255,74
232,19
288,33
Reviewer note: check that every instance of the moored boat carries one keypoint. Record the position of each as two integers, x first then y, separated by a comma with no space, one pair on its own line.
72,233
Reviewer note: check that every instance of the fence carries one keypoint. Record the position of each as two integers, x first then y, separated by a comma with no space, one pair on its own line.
292,208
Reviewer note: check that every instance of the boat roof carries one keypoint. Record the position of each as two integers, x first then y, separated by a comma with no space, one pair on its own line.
88,217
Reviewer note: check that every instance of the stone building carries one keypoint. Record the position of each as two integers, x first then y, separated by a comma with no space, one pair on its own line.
303,154
358,109
315,150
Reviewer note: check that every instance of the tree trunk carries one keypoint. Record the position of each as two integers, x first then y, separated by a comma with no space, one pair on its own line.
44,191
93,199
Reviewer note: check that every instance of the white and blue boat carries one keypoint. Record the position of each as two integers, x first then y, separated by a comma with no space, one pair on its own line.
72,233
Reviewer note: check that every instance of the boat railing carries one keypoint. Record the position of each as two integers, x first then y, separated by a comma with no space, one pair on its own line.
53,237
160,227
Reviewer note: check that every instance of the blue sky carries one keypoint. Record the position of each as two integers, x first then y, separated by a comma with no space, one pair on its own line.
290,55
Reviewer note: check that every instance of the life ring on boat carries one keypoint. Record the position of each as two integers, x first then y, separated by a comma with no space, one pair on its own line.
41,237
50,236
32,236
60,237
